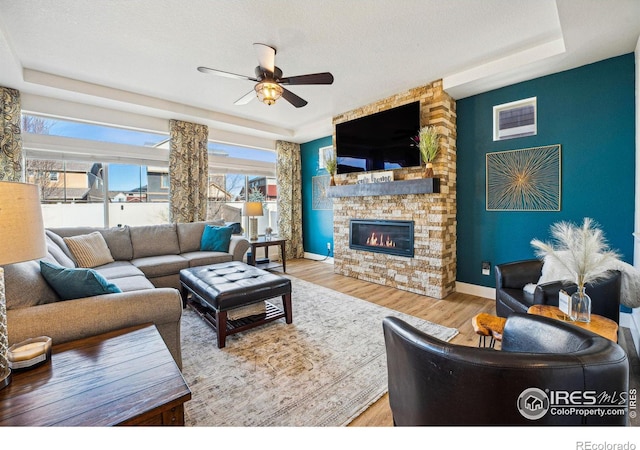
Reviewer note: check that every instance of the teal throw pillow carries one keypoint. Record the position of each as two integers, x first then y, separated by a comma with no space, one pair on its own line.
216,239
70,283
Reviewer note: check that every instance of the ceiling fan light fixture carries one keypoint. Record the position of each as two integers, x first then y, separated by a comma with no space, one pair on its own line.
268,92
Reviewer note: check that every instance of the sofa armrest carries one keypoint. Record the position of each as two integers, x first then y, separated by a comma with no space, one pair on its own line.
69,320
238,247
517,274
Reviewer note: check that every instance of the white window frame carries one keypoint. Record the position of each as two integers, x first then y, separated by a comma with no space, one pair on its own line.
526,130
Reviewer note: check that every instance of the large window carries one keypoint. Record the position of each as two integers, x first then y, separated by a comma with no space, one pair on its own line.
71,192
97,175
229,192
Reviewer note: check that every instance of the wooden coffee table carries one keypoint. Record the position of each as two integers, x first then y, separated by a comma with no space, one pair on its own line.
600,325
126,377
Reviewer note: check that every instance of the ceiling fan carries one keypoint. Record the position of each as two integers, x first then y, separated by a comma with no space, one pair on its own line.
270,80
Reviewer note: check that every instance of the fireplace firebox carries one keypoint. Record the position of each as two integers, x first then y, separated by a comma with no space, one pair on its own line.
393,237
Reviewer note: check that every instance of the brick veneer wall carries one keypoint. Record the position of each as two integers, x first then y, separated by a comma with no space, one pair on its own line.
432,271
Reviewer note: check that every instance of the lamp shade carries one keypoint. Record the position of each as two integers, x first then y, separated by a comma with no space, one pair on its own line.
252,209
21,227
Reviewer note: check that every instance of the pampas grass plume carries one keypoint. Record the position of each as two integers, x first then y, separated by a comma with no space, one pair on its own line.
581,250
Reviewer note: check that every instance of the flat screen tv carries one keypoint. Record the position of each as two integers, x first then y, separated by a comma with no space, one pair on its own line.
380,141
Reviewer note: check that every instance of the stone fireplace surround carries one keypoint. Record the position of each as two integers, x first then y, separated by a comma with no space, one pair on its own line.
432,270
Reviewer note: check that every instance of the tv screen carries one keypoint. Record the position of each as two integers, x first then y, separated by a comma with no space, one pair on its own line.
380,141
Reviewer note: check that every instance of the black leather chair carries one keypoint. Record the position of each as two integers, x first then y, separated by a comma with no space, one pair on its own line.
432,382
512,277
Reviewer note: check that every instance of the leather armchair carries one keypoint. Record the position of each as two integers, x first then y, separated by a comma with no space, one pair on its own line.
432,382
512,277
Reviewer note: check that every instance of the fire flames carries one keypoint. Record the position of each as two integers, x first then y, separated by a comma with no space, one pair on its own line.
380,241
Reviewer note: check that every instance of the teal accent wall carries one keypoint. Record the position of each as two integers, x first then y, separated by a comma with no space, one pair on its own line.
317,225
590,112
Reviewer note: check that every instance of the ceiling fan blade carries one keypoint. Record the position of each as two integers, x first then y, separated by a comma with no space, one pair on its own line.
312,78
225,74
246,98
293,98
266,56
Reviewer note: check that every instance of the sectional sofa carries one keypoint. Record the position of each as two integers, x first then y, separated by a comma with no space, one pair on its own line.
145,267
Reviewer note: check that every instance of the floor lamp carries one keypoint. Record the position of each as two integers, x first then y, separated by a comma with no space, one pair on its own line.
21,239
252,210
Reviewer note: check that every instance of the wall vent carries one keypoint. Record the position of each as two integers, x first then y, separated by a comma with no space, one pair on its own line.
515,119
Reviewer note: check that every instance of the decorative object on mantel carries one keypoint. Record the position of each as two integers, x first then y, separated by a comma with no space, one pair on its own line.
583,257
376,177
22,232
331,164
427,141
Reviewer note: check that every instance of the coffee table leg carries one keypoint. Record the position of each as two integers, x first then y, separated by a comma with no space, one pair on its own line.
221,328
286,304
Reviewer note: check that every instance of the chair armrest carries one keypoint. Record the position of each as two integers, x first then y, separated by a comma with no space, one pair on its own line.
517,274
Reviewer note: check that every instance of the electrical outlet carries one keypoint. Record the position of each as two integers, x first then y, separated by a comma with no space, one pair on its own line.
486,268
328,245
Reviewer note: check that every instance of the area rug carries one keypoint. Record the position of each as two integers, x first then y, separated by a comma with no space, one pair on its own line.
324,369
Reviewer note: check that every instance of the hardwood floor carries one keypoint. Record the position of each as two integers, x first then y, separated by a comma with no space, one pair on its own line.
454,311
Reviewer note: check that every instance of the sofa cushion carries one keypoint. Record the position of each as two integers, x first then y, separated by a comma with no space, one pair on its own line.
135,283
189,236
118,269
205,258
216,239
118,239
56,252
89,250
159,266
25,286
119,242
76,283
154,240
59,241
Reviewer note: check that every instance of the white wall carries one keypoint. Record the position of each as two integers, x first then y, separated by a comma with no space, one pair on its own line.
632,321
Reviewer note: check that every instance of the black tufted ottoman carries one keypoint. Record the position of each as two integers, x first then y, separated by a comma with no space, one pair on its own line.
217,288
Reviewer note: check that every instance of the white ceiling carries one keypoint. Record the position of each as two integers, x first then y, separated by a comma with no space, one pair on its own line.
140,56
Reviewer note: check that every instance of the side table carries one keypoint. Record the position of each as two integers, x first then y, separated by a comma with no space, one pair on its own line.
266,243
125,377
600,325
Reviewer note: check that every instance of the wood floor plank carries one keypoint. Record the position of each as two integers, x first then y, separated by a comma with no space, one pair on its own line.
454,311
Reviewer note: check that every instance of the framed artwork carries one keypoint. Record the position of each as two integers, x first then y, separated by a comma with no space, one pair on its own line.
324,153
320,200
524,180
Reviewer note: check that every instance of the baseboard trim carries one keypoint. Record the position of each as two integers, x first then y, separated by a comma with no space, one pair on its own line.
474,289
316,257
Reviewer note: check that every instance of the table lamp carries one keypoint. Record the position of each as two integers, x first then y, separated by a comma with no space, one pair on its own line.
21,239
251,210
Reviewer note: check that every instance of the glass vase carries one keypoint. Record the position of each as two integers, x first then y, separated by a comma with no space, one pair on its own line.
580,306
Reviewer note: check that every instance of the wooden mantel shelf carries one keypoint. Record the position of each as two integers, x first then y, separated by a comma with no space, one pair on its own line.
403,187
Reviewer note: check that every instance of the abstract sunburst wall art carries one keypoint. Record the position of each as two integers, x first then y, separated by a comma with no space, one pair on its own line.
524,180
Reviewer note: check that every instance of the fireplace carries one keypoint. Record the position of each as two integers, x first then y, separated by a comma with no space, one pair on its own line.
392,237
